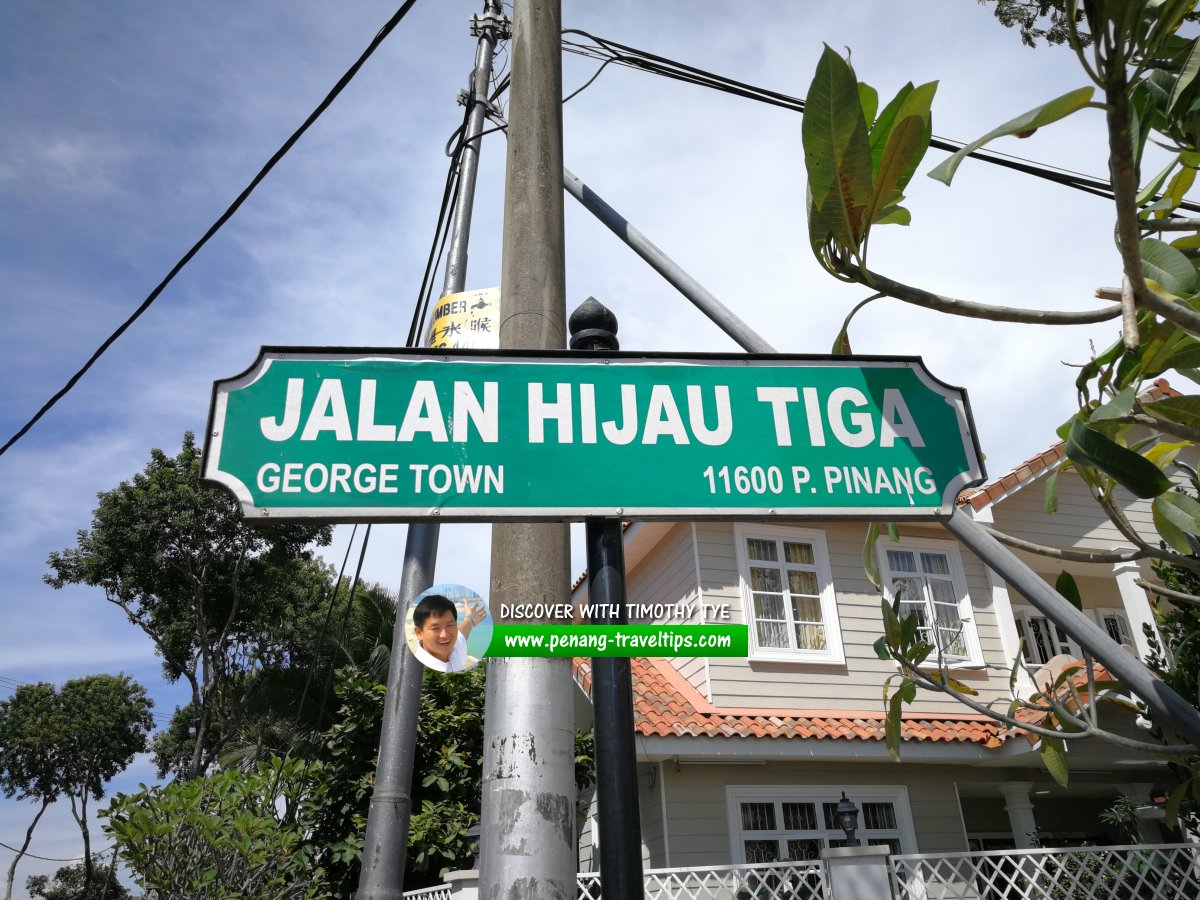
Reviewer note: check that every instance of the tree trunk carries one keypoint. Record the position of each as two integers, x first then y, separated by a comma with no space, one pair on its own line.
81,819
12,869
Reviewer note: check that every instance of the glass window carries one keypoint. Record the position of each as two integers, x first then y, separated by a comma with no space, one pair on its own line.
796,823
1041,639
792,610
927,583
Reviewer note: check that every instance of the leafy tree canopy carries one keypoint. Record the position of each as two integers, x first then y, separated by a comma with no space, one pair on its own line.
70,883
218,597
70,742
1145,81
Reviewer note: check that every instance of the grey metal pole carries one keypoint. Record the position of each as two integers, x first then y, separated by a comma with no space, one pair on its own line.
491,27
385,848
745,336
386,842
527,832
1176,711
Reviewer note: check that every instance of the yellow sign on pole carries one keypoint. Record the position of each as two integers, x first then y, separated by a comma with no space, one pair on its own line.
469,319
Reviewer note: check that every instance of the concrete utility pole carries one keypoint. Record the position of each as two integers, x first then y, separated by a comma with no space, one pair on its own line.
386,841
527,832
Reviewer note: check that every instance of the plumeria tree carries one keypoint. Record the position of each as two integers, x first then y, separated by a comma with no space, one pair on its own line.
1139,71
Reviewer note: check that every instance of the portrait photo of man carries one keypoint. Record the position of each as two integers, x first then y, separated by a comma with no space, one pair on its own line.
441,642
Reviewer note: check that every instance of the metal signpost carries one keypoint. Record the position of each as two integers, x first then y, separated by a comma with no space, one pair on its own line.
389,436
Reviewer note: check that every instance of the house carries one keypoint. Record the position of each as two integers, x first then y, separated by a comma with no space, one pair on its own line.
743,760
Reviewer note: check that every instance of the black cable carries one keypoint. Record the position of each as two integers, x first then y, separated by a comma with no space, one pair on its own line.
224,217
53,858
660,65
449,198
587,84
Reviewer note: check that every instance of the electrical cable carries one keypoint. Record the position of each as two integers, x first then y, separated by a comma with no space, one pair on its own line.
449,198
53,858
653,64
287,145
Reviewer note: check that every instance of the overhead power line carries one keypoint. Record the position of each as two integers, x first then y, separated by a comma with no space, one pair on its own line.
54,858
601,49
631,57
224,217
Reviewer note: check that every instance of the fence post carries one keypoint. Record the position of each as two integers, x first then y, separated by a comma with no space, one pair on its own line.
858,873
464,884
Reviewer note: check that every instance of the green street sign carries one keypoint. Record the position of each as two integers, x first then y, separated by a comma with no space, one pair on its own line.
399,435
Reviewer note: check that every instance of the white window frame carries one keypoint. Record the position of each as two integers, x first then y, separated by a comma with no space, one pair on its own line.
817,794
966,611
1102,613
1024,615
834,652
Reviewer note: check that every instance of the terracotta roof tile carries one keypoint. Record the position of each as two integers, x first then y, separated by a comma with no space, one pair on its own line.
665,704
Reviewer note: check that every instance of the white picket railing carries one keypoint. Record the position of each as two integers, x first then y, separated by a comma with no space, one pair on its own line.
1142,872
761,881
437,892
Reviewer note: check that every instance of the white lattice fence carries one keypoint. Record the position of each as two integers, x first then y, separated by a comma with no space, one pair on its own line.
437,892
1162,872
766,881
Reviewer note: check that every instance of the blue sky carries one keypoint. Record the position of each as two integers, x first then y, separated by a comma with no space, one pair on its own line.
129,126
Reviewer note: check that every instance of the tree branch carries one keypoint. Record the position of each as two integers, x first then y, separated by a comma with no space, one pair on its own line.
1084,556
1164,425
1124,182
1088,730
1177,224
1130,534
971,309
1177,596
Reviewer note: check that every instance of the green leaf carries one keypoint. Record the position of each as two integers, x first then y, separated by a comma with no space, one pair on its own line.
918,653
905,147
893,531
1175,517
1186,79
1118,406
897,150
892,727
1067,586
1180,185
837,155
1169,267
868,99
883,126
1154,185
869,563
908,629
891,624
1184,410
1051,504
1054,757
953,684
893,215
1174,801
881,649
1131,470
1023,125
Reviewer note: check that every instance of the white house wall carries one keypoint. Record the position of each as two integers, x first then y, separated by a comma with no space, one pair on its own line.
699,821
1078,523
667,574
857,684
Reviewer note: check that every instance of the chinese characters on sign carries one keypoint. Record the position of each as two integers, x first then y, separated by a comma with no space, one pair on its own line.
470,319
